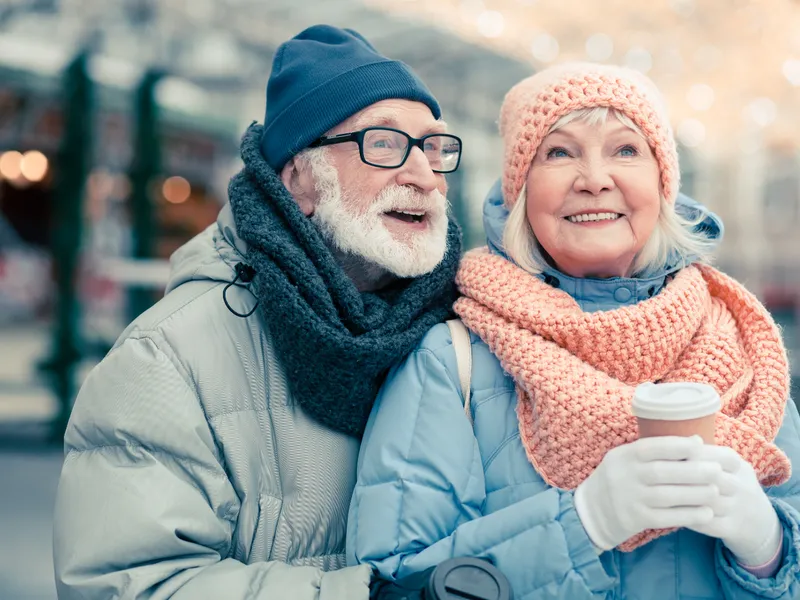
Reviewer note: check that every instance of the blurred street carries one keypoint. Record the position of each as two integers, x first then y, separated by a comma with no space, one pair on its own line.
27,493
29,467
23,395
29,474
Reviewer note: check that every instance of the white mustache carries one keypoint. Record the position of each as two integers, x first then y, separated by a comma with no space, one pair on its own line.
406,198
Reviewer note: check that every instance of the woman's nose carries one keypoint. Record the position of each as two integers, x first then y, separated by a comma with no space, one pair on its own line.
594,177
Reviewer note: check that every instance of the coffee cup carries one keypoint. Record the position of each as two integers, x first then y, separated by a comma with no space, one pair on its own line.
680,408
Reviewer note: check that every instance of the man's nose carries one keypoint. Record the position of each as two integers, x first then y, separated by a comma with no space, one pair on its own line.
594,177
417,171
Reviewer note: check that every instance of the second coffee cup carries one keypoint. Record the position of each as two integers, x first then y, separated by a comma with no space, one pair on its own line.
680,408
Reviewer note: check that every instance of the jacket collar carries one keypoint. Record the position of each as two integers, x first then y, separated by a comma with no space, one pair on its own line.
228,229
606,294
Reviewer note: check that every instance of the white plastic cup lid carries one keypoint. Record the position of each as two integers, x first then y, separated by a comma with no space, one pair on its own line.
678,401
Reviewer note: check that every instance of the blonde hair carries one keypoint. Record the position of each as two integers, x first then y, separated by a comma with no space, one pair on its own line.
674,241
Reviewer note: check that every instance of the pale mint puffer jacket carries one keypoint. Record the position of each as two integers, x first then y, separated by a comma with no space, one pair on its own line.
190,473
431,486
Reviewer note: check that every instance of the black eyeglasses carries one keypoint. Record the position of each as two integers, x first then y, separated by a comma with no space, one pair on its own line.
389,148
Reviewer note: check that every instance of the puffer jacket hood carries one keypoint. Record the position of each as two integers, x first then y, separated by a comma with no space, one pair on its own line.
197,260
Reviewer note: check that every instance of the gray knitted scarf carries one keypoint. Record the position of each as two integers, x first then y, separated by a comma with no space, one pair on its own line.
335,342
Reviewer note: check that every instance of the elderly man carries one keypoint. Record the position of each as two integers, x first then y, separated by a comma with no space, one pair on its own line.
212,453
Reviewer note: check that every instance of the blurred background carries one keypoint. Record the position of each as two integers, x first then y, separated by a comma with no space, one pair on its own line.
119,130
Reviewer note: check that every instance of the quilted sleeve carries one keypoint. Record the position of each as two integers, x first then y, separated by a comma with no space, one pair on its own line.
144,506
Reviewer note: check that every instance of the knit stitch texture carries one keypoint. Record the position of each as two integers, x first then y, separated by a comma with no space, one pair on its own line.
576,372
534,105
335,343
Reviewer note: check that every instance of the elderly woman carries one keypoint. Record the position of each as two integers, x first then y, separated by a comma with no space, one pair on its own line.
595,280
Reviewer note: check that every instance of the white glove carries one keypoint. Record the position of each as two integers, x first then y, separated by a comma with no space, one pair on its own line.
744,518
647,484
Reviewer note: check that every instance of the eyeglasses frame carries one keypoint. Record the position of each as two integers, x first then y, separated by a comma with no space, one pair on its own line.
358,137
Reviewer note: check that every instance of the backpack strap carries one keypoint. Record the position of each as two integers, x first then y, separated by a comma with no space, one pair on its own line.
463,349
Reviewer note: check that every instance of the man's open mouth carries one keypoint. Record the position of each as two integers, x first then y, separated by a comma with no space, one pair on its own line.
408,216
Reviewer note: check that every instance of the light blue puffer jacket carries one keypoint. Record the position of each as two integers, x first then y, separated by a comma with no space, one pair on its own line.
431,486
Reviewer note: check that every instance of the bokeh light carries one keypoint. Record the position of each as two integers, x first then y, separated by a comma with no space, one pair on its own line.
10,165
33,166
176,190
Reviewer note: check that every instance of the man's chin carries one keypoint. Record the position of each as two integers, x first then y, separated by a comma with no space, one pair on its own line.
399,250
407,262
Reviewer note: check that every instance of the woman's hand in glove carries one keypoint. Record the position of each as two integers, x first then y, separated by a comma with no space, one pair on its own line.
652,483
744,518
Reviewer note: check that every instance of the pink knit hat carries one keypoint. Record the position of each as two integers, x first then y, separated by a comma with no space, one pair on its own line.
534,105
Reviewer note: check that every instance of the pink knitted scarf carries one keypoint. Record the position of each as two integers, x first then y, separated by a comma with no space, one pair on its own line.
576,372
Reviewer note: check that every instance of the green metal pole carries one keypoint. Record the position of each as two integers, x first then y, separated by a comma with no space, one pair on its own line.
73,165
458,203
145,169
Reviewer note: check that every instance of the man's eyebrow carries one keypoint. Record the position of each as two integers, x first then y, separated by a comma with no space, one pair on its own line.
383,117
439,126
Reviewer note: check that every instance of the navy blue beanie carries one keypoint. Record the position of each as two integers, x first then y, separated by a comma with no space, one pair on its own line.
321,77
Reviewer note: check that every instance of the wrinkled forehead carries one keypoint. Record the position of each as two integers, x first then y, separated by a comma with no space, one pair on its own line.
610,119
410,116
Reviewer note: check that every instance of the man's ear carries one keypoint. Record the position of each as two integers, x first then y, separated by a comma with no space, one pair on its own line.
298,179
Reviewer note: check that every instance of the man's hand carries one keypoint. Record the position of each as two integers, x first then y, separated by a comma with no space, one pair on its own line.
411,587
744,518
651,483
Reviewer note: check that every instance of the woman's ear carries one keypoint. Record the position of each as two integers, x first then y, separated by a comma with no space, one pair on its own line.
298,179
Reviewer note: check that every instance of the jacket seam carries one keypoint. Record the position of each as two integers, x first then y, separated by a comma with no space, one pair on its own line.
273,365
474,341
456,382
470,474
171,356
412,437
555,580
218,237
233,411
182,458
155,327
328,555
219,475
154,336
496,393
499,448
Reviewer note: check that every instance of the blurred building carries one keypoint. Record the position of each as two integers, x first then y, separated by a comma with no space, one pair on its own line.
729,68
730,72
195,148
217,57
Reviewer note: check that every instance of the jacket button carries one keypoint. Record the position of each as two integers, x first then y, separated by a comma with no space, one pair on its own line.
552,281
622,294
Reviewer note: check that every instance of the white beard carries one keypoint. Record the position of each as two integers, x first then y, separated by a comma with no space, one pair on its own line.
366,236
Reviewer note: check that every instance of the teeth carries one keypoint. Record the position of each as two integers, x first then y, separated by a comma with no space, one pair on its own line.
413,213
593,217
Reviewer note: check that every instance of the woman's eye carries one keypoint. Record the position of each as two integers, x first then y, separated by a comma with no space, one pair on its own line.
557,153
628,151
